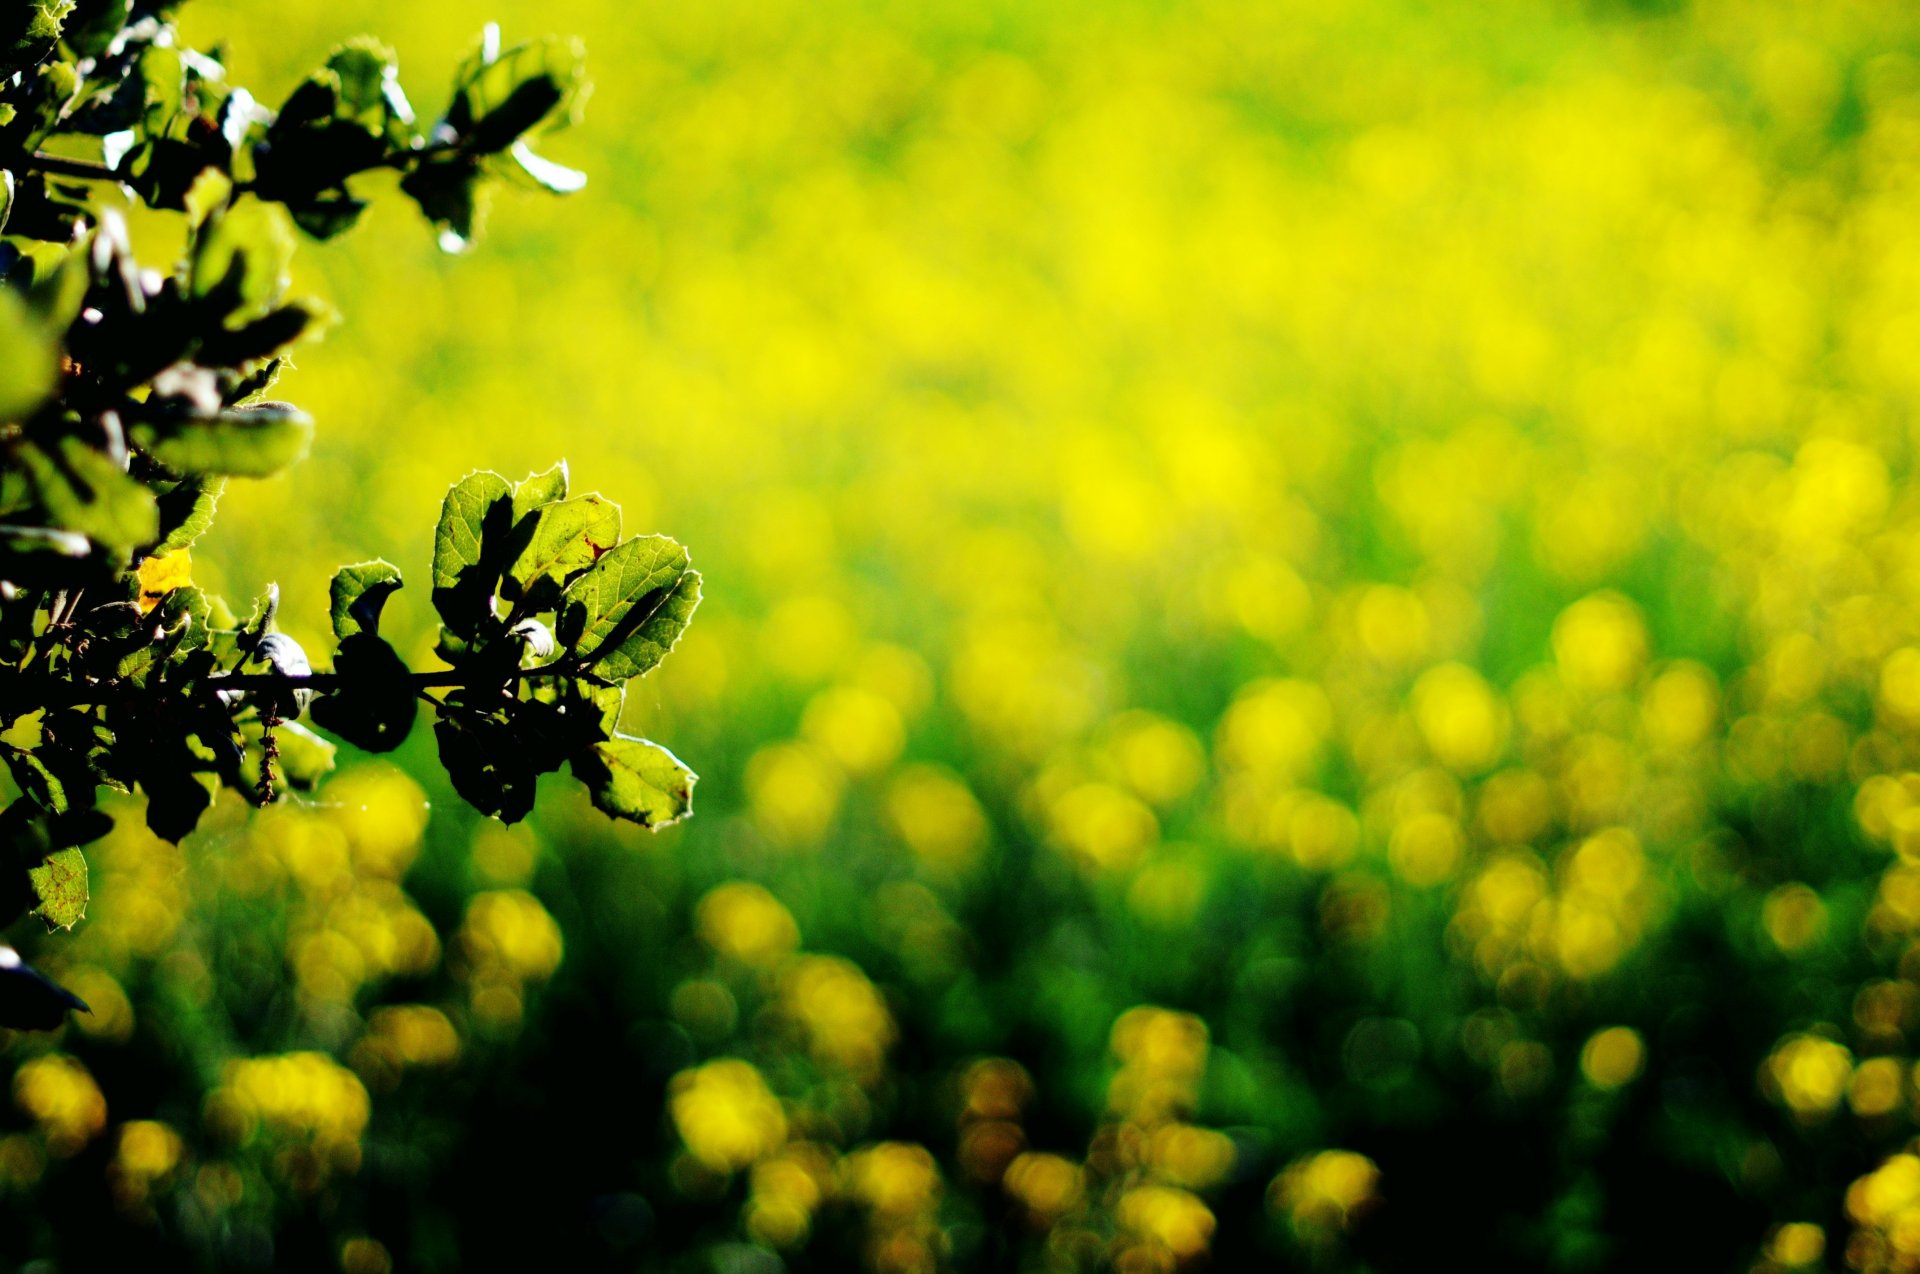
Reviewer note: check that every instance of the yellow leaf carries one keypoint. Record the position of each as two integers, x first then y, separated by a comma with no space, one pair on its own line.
161,574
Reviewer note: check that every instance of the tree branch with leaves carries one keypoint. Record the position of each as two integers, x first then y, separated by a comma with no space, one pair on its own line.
129,397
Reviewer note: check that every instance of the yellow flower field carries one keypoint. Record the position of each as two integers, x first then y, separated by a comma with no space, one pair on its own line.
1311,657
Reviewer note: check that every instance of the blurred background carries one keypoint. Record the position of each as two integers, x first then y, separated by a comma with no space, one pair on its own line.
1310,659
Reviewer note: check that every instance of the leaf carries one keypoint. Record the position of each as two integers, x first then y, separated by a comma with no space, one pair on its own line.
644,645
61,885
37,780
537,489
28,833
211,192
374,707
561,717
369,78
475,521
29,1000
61,277
487,763
187,511
358,594
29,359
84,490
175,800
30,31
327,214
637,780
626,583
256,440
498,99
241,261
449,192
567,536
266,336
160,574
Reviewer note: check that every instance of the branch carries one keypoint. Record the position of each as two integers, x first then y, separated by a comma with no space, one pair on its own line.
61,166
54,692
321,682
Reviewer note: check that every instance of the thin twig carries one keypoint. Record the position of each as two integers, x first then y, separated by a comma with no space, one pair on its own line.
61,166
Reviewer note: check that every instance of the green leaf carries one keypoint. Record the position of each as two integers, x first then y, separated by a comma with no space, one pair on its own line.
187,511
358,593
61,277
29,359
28,833
475,521
211,192
642,646
537,489
84,490
37,780
30,30
499,99
61,885
567,536
241,261
617,592
370,93
636,780
255,440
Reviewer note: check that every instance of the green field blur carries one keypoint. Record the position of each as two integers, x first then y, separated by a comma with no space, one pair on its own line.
1311,659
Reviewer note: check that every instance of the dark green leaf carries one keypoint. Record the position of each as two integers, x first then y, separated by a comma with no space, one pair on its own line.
374,707
29,1000
265,336
450,193
487,763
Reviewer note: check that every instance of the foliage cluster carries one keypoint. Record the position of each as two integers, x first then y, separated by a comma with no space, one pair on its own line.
129,396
